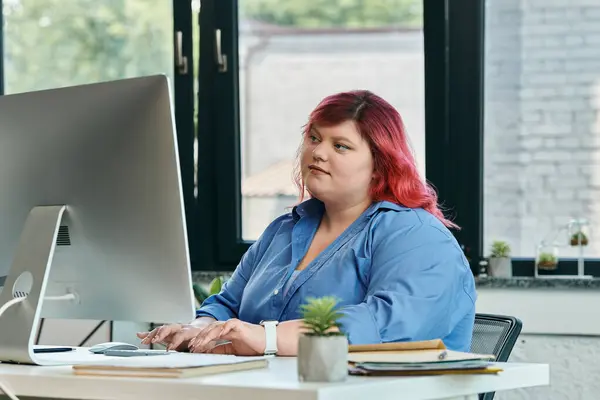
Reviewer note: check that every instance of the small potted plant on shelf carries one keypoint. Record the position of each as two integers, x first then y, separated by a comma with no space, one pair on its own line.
500,264
322,348
579,238
547,261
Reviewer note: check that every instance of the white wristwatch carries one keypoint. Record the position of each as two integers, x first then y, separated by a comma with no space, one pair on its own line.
270,336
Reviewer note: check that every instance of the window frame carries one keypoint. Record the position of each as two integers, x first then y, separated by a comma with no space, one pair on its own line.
216,244
1,48
454,50
183,103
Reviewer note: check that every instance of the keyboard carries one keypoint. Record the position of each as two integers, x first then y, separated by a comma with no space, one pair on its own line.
136,353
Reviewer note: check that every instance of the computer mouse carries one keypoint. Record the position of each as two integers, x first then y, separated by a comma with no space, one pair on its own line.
100,348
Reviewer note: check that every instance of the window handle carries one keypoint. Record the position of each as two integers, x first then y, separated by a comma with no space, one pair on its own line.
221,58
181,61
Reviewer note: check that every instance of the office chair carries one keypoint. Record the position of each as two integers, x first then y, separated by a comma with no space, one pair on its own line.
497,335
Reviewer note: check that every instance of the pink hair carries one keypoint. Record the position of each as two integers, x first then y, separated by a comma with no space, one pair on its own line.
396,176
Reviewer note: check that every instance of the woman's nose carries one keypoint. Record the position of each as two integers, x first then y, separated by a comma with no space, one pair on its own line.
319,153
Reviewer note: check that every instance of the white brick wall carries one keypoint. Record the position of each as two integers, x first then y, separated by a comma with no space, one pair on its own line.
542,77
574,367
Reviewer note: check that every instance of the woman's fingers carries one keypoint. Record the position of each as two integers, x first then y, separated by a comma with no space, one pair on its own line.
142,335
203,332
160,334
148,336
213,332
222,349
165,331
229,328
200,342
216,337
180,337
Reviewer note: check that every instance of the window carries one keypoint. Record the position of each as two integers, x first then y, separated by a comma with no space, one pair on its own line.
245,76
281,60
51,43
55,43
264,65
291,57
542,127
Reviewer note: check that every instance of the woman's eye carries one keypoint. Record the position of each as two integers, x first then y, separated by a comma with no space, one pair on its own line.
313,138
341,147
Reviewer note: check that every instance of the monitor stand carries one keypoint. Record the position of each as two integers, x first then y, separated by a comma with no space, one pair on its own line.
27,280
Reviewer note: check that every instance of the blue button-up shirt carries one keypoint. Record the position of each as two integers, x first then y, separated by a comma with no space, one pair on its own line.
398,273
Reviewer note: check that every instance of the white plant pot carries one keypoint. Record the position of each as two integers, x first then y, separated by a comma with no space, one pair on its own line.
500,267
322,358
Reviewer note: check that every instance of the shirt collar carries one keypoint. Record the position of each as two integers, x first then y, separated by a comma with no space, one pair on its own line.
309,207
385,205
314,206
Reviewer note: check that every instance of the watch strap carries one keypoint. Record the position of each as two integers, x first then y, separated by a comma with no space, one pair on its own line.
270,336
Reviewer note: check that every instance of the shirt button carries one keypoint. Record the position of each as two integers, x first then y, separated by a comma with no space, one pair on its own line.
275,291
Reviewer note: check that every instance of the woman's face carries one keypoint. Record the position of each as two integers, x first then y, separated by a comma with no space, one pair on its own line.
337,164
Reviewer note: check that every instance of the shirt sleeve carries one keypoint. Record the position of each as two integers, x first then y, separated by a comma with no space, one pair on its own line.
415,277
225,305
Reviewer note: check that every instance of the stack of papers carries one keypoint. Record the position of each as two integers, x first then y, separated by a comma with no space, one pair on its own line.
417,358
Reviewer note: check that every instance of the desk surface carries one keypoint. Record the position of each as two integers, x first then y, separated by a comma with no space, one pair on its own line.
265,384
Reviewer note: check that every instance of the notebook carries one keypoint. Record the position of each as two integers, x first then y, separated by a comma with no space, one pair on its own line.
173,365
416,358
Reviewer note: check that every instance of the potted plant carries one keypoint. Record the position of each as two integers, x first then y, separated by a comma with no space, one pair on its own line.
322,348
579,238
500,264
547,261
202,294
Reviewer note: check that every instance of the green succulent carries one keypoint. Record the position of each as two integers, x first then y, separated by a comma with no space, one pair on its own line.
500,249
579,238
320,316
546,259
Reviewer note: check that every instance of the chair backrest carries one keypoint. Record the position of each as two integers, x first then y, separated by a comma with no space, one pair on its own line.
497,335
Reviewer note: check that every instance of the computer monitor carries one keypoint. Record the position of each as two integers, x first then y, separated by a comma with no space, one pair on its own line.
92,220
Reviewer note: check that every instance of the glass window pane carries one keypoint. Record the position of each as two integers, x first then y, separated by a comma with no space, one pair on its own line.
542,97
293,54
57,43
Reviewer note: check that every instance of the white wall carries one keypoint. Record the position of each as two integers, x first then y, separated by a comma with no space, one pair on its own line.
574,367
561,327
71,332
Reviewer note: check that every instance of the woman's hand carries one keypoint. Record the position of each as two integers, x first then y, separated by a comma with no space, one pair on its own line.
245,339
175,336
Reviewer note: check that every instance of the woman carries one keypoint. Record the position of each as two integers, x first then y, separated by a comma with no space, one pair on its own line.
371,235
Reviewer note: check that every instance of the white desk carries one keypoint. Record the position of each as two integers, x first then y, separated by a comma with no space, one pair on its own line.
264,384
